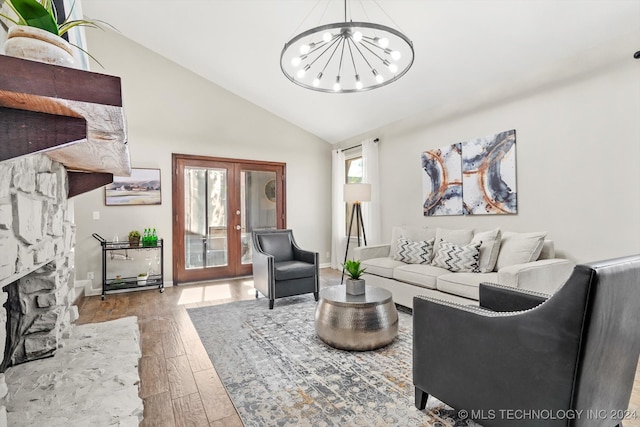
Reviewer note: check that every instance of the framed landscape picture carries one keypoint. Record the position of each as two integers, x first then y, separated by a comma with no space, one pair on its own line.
141,188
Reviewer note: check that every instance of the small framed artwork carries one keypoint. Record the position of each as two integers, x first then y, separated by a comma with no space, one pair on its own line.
141,188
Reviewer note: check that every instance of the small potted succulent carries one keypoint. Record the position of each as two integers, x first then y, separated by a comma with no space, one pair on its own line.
355,285
142,278
134,238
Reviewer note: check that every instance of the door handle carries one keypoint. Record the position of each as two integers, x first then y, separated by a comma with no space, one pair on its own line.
238,227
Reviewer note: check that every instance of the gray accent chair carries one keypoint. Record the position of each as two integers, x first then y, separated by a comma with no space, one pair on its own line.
574,351
281,268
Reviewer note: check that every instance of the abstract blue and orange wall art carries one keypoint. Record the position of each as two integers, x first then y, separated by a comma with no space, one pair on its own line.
476,177
442,181
489,174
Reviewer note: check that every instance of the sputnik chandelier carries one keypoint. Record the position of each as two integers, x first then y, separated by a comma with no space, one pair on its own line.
347,56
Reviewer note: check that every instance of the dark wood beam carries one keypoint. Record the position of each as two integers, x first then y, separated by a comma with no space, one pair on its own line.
36,78
75,96
81,182
26,132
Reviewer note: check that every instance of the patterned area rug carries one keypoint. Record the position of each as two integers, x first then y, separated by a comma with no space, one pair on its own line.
279,373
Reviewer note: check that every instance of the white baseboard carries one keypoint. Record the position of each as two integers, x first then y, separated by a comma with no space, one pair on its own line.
81,283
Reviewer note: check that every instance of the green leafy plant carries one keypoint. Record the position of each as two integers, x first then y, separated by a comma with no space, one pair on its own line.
42,14
134,234
352,267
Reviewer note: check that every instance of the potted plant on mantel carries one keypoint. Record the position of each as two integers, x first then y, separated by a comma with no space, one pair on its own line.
354,284
37,35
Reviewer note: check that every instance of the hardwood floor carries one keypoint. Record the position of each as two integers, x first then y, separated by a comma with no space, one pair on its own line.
178,383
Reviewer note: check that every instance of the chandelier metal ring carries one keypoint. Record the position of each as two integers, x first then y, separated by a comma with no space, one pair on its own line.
347,57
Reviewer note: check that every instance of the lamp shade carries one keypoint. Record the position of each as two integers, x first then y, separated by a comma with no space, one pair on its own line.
357,192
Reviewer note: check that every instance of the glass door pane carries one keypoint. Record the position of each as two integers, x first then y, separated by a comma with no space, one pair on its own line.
205,228
217,248
194,227
257,206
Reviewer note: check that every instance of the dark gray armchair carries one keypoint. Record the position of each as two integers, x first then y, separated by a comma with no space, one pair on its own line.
573,355
281,268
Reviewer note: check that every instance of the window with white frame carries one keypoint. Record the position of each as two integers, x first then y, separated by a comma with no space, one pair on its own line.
353,175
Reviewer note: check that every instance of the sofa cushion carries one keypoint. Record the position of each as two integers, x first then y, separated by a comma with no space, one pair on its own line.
519,248
458,237
414,252
410,232
548,250
464,284
419,274
381,266
489,250
457,257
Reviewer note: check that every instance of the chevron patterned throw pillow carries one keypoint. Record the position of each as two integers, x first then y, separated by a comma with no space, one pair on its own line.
458,258
414,252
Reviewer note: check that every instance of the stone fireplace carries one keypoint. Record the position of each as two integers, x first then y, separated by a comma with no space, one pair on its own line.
37,237
77,118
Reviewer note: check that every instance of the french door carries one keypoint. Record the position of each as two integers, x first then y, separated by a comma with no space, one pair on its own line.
217,203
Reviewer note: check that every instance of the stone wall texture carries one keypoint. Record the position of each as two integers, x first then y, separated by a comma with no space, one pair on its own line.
34,216
36,265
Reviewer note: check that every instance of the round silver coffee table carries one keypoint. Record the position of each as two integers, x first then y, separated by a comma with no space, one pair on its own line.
356,322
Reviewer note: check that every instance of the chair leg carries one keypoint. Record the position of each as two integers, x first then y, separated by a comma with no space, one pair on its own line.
270,304
421,399
315,295
256,293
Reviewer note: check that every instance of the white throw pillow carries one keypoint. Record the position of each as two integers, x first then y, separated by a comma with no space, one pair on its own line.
519,248
457,257
457,236
412,252
409,232
489,250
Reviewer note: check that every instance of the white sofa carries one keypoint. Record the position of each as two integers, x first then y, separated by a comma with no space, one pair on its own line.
522,260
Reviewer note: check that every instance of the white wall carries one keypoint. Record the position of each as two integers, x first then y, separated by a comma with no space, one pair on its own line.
578,153
171,110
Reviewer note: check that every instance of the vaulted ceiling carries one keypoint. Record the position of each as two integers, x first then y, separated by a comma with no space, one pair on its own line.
462,47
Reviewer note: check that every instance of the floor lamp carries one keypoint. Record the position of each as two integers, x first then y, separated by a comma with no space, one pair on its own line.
356,194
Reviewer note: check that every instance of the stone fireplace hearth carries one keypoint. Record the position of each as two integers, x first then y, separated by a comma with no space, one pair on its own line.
91,381
36,260
53,372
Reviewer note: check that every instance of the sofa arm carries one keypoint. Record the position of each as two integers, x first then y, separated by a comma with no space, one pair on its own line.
507,298
372,251
544,276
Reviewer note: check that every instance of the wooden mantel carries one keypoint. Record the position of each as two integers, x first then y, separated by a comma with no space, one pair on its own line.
73,116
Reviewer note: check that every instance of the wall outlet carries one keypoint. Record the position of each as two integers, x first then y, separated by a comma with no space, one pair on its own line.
90,275
96,215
